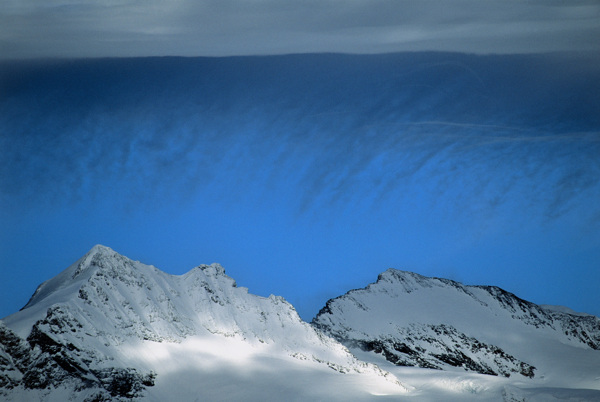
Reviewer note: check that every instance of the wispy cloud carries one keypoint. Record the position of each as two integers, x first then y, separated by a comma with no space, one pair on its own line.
296,171
313,136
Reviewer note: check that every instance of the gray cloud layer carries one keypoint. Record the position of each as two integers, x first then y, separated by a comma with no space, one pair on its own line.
63,28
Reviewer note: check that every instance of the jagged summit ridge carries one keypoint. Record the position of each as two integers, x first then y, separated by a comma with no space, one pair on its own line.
136,297
412,280
110,328
112,264
80,325
413,320
92,259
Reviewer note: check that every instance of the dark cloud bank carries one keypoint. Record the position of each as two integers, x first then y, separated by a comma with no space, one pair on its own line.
128,28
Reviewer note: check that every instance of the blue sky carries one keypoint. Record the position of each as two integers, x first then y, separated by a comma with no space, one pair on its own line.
304,175
307,175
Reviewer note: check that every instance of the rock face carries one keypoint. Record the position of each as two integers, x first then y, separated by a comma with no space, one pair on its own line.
412,320
46,361
75,331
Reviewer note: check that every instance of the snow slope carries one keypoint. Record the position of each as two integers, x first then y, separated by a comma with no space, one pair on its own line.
405,319
109,327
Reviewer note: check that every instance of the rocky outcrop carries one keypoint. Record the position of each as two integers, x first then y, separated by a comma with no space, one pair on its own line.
436,323
44,362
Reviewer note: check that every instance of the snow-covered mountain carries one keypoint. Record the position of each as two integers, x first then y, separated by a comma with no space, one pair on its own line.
411,320
109,328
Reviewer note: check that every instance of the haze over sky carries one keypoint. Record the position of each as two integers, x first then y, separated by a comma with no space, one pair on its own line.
62,28
305,175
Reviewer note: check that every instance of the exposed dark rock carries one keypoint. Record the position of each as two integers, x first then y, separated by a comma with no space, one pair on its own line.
44,361
447,346
126,383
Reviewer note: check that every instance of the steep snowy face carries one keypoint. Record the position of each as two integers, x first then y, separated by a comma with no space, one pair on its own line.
87,328
412,320
120,299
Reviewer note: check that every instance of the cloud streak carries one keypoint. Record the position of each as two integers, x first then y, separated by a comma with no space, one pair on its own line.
316,135
304,169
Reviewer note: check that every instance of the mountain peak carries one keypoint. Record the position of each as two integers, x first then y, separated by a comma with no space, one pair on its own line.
392,273
92,259
101,249
98,258
99,323
411,281
107,326
213,269
413,320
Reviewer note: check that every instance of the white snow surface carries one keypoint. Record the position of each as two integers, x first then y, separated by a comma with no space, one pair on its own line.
208,340
203,337
402,302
